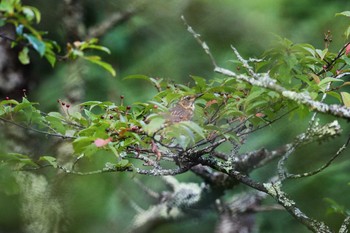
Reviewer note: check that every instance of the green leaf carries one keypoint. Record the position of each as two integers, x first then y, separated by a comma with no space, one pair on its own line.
51,160
194,127
7,6
334,207
323,82
123,163
23,56
156,122
114,150
308,48
183,141
97,61
160,106
18,160
91,103
137,76
33,11
80,144
200,82
56,124
346,98
347,32
37,44
315,77
321,53
24,104
99,47
344,13
29,14
335,94
51,57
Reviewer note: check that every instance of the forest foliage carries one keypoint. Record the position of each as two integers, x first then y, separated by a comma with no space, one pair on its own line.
288,81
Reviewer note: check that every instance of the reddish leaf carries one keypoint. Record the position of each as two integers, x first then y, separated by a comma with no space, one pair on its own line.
347,49
102,142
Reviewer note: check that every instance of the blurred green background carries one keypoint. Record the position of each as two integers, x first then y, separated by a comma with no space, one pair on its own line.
155,42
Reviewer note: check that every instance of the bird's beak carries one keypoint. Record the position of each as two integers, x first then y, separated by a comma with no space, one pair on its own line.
199,95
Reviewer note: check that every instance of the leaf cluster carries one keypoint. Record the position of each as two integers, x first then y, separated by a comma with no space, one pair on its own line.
27,37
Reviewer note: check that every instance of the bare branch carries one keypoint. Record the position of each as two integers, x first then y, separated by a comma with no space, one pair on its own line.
36,130
316,133
335,156
236,216
199,40
109,23
146,189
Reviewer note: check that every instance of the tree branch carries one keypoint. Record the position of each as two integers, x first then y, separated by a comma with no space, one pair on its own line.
272,189
345,226
335,156
265,81
36,130
109,23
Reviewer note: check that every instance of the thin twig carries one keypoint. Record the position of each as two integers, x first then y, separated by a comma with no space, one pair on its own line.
199,40
36,130
269,122
110,22
336,155
146,189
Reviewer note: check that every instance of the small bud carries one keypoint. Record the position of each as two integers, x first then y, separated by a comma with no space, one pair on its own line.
111,117
121,97
259,114
67,105
134,128
128,107
347,49
7,98
155,106
77,44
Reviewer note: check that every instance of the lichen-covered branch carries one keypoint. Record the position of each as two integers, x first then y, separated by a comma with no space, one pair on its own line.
275,191
324,166
345,226
238,214
265,81
173,205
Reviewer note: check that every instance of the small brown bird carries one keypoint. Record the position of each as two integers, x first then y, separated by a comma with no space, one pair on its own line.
183,110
